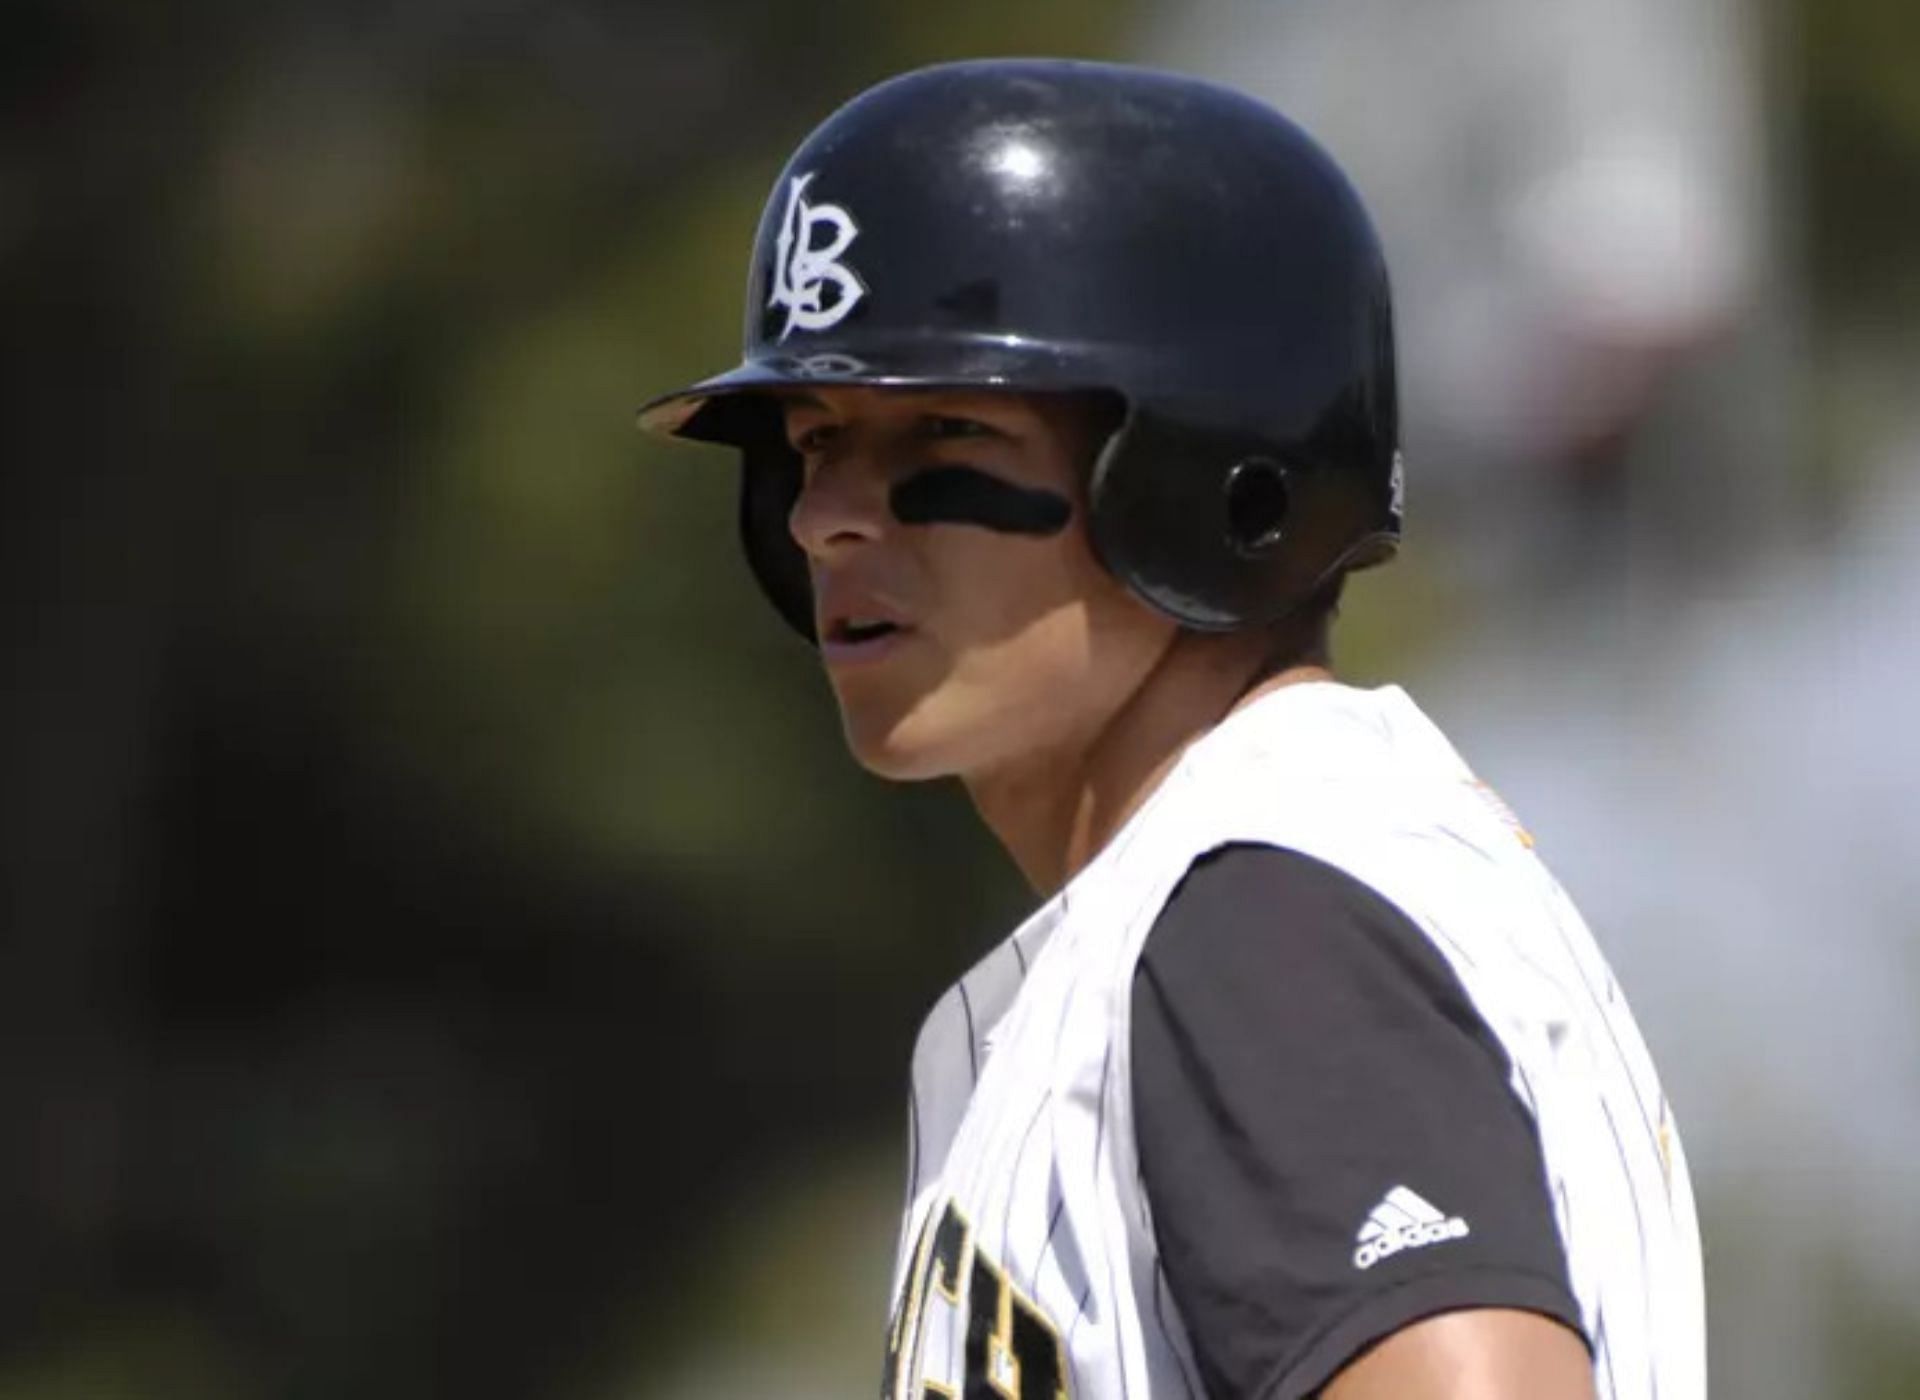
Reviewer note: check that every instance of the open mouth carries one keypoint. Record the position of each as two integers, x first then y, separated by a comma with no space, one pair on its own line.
853,631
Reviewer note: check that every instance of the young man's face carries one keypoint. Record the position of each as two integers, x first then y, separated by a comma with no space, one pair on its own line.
962,617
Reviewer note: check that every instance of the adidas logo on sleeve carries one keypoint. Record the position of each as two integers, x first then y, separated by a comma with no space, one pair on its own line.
1403,1220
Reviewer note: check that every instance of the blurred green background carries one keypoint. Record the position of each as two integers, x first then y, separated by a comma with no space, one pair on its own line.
446,950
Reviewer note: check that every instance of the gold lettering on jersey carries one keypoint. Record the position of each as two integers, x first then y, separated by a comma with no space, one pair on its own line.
952,1244
903,1337
1013,1351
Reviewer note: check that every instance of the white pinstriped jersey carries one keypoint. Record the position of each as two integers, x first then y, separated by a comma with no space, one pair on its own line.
1028,1265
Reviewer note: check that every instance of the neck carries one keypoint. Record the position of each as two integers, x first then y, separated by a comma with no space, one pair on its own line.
1055,811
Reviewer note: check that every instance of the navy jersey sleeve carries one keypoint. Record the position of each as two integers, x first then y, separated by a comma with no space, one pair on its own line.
1329,1141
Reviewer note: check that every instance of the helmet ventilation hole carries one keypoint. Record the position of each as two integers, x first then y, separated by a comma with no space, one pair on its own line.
1257,502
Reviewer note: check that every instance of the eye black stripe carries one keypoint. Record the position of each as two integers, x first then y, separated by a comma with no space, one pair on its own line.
961,495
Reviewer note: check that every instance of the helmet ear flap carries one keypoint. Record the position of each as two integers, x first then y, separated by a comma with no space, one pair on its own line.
1161,521
1218,530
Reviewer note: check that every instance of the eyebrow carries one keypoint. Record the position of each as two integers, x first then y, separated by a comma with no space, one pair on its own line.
991,428
801,399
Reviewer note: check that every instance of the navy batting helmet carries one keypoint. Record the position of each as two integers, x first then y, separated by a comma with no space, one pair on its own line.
1043,225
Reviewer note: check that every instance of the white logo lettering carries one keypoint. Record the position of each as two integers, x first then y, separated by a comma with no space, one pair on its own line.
804,267
1403,1220
1390,1242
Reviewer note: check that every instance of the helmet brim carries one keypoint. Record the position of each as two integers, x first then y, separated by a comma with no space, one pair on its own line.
983,363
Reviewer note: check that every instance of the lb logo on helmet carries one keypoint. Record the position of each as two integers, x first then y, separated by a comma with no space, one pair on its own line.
806,267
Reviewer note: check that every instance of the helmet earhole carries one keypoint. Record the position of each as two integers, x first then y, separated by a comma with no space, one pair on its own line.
1256,492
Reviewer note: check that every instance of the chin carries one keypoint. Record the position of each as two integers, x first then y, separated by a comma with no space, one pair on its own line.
909,740
895,756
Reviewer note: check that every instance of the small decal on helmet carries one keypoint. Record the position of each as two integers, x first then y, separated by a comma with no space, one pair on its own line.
804,268
828,365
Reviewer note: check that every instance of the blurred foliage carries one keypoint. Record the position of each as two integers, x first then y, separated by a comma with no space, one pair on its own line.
1857,127
436,891
1861,127
783,1299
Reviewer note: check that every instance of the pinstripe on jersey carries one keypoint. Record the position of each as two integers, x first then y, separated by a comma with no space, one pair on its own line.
1028,1264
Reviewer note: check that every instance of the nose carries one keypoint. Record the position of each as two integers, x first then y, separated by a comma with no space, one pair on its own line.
842,504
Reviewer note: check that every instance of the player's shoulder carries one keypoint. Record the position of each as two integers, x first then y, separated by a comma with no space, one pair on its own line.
1308,744
1249,915
1361,784
1352,776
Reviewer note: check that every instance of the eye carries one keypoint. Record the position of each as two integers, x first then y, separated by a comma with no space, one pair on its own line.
945,426
811,441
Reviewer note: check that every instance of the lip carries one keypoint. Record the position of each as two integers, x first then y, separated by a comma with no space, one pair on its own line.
840,653
842,600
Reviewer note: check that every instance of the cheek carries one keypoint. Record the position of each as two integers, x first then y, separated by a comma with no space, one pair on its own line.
996,590
1029,646
1040,627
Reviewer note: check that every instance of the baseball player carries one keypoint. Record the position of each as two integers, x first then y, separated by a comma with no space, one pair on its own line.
1067,405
